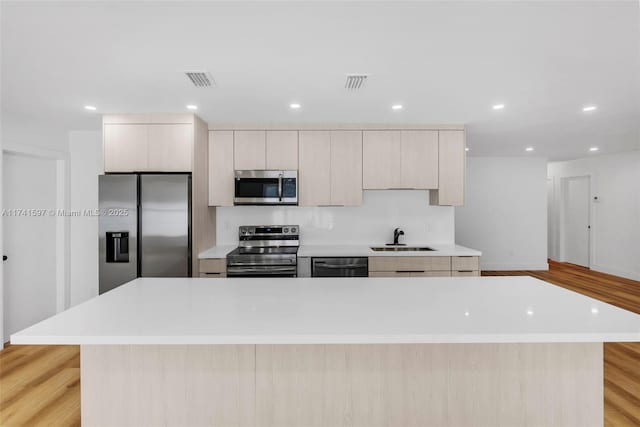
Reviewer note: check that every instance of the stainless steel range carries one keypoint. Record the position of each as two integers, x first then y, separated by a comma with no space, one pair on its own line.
265,251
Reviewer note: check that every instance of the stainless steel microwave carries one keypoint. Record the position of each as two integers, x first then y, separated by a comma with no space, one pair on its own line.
266,187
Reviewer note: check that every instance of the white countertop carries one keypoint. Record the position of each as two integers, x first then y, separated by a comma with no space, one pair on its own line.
354,251
345,310
365,250
217,252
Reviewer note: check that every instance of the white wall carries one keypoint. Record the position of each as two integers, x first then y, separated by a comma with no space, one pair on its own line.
31,291
24,135
17,129
505,212
371,223
85,148
615,217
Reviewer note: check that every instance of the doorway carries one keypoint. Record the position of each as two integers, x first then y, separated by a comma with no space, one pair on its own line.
576,236
30,196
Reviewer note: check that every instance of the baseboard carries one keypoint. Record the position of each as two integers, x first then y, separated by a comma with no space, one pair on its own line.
616,272
515,266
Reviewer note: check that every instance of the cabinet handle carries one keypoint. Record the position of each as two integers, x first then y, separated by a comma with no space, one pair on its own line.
410,271
330,206
464,271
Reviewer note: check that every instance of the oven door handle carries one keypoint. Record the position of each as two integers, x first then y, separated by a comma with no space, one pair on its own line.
280,186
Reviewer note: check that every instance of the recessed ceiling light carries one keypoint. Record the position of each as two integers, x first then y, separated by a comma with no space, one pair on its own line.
529,312
294,106
589,108
593,149
498,107
192,107
529,149
396,107
90,108
466,149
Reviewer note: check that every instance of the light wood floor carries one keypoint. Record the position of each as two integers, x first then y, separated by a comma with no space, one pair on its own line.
40,385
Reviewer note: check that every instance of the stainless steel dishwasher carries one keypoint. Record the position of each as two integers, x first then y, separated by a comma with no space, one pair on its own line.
340,267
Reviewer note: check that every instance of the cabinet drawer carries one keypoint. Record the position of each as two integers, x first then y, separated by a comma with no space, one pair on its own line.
465,263
446,273
413,264
465,273
213,275
218,265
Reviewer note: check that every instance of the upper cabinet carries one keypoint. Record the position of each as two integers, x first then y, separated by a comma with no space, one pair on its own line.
125,147
330,168
419,159
451,154
148,143
170,147
271,150
334,166
314,178
249,147
282,149
221,184
381,159
346,168
400,159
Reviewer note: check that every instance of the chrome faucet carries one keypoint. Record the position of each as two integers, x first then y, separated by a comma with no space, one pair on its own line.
396,236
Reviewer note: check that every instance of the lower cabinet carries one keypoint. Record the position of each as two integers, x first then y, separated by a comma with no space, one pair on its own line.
465,266
409,273
465,273
411,266
213,268
424,266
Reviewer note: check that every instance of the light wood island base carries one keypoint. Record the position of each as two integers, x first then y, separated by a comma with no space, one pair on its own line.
369,385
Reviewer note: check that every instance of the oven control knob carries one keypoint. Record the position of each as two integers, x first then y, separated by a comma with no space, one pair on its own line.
293,229
286,230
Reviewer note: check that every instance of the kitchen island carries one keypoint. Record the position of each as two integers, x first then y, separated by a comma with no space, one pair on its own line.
333,352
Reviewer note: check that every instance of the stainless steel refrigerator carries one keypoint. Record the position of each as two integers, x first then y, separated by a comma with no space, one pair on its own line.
145,227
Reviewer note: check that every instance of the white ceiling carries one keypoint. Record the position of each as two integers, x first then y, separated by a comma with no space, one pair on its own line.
445,62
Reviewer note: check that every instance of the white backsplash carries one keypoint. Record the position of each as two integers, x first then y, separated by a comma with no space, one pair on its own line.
371,223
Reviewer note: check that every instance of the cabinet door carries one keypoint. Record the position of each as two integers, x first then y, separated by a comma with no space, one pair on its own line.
451,167
282,149
346,168
419,159
381,160
170,147
314,176
125,147
221,183
249,150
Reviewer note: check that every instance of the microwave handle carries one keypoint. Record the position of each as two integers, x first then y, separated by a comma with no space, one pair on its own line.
280,186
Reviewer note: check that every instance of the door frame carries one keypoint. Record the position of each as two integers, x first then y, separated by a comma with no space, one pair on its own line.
562,229
61,158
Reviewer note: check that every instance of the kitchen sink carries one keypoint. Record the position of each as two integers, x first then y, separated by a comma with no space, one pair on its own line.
400,248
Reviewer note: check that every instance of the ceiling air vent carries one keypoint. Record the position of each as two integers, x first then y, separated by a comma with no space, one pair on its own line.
355,81
200,78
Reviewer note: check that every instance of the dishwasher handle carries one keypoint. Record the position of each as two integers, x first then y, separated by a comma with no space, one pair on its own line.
325,265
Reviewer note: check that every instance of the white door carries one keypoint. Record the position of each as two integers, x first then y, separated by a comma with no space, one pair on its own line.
29,241
576,221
